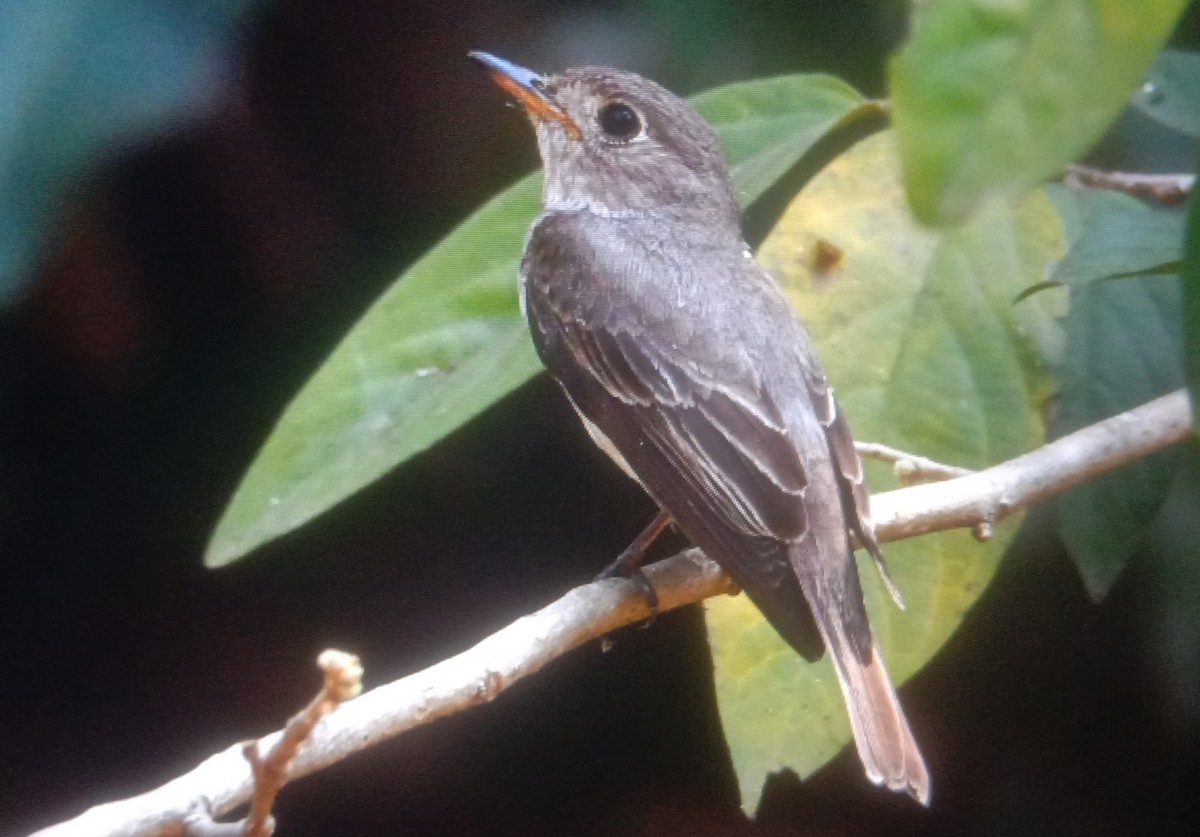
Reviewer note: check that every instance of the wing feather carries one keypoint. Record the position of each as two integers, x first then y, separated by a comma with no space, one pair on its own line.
745,468
856,499
732,480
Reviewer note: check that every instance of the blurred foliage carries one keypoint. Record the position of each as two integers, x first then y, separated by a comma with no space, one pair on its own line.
1171,91
77,76
1113,234
992,98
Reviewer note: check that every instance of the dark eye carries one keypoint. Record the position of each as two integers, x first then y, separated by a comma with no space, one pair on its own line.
619,120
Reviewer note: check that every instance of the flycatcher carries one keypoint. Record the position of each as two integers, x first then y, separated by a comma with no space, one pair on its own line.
692,370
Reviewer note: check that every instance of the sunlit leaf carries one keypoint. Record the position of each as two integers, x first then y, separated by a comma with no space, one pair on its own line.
447,339
992,97
928,352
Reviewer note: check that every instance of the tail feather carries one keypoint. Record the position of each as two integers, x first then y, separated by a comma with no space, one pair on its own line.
885,744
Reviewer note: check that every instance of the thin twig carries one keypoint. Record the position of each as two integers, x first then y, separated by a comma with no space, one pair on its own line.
343,681
481,673
910,468
1167,189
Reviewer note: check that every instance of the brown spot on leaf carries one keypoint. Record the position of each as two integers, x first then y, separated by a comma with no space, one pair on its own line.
826,261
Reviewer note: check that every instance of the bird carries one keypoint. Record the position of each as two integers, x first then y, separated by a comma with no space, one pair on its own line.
694,372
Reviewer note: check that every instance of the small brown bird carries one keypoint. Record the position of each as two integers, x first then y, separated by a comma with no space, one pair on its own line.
692,370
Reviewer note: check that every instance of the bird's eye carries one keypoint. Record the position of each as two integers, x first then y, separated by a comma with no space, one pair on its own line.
619,120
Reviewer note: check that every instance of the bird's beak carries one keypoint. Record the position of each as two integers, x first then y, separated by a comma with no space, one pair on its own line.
528,88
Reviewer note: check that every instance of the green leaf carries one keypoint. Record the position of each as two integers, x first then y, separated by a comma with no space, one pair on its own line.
448,339
920,336
1121,236
1171,93
994,96
1124,347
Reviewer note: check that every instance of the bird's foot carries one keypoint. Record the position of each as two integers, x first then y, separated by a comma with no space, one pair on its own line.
621,568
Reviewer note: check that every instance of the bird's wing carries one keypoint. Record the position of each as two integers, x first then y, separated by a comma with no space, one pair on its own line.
856,499
712,448
730,446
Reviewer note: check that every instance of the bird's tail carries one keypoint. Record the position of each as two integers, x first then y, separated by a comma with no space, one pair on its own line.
885,744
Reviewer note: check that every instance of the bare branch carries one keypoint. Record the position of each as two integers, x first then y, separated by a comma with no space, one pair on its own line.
1165,188
481,673
475,676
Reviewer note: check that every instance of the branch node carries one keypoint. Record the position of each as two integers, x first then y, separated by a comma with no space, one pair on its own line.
489,685
199,822
343,674
983,531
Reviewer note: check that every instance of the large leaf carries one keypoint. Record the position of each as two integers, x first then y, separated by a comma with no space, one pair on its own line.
1171,93
992,98
447,339
919,333
1124,347
1120,236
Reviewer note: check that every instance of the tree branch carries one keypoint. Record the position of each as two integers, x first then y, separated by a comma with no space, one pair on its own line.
1167,189
481,673
987,497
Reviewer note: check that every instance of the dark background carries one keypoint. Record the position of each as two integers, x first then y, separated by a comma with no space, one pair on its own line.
194,277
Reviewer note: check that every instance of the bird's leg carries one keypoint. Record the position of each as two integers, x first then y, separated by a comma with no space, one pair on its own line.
629,563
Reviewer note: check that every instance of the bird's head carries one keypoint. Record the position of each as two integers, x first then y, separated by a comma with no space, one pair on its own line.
617,144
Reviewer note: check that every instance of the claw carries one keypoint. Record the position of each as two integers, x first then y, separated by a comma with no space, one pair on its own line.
628,564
